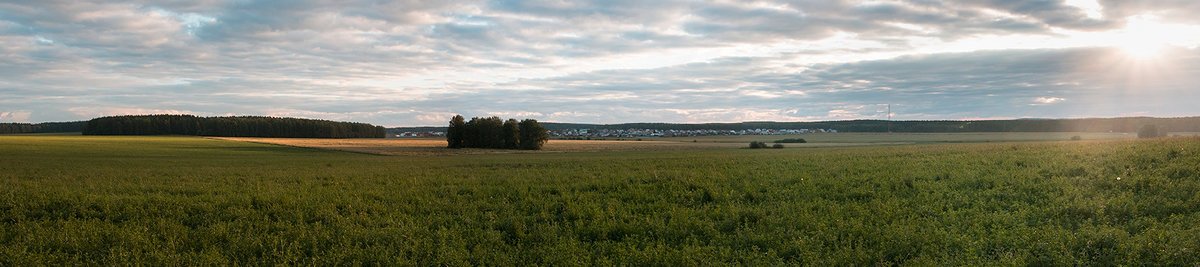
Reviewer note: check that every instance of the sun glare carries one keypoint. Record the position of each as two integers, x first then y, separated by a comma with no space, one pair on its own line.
1145,39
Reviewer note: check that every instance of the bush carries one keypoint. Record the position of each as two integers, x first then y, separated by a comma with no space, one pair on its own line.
1076,138
757,144
791,140
1150,131
777,146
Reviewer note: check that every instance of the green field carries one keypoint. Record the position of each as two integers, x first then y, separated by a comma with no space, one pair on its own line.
69,200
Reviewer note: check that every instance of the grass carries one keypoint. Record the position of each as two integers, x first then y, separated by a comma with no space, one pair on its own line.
185,200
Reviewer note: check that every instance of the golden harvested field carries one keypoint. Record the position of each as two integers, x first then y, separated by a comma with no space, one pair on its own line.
417,147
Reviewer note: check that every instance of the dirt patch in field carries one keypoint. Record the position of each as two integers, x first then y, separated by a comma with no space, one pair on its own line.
417,147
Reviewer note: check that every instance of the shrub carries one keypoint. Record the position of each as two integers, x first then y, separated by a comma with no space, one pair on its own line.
791,140
777,146
1149,131
1076,138
757,144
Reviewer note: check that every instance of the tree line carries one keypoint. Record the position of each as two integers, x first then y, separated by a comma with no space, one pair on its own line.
492,132
45,127
240,126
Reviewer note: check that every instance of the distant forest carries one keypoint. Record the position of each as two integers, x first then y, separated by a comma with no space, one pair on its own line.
244,126
1124,125
45,127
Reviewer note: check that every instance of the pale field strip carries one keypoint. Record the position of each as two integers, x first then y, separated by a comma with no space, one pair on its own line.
426,147
419,147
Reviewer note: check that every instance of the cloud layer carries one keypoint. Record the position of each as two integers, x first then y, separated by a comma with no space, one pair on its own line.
418,62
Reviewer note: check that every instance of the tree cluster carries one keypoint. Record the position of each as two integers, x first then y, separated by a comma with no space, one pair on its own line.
45,127
492,132
791,140
243,126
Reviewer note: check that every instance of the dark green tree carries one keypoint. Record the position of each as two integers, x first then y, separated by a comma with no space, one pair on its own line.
533,135
485,132
511,134
454,133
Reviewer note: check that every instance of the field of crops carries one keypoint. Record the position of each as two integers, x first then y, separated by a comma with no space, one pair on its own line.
173,200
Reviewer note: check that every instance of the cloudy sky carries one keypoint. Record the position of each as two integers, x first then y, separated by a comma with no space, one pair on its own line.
413,62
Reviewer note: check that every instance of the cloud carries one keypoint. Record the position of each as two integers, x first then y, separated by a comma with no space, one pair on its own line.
15,116
1042,100
413,62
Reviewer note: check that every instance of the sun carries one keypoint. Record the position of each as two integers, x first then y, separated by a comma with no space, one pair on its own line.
1145,39
1142,48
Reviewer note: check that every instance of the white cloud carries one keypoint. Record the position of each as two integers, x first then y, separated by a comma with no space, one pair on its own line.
15,116
1047,100
91,112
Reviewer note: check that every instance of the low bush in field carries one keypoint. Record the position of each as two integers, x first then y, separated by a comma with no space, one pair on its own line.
757,144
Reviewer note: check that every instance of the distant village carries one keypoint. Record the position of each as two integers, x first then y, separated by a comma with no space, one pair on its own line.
675,133
637,133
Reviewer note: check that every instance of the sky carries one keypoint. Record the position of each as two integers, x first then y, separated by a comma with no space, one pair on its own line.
417,63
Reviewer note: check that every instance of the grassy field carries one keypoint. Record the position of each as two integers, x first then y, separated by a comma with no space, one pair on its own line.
186,200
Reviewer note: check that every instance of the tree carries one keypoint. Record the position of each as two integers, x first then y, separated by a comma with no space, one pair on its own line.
511,134
533,135
1148,131
454,133
488,132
